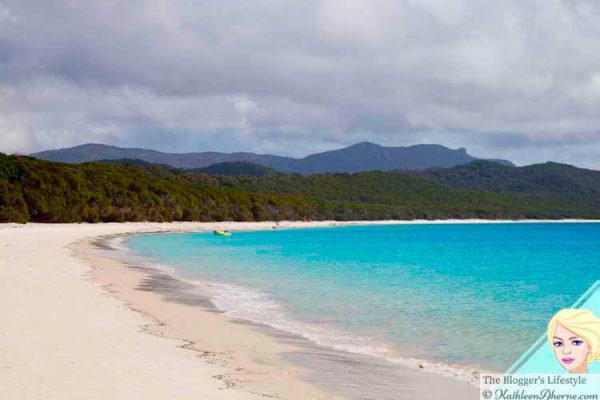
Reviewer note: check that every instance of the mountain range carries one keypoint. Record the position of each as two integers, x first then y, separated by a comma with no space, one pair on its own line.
364,156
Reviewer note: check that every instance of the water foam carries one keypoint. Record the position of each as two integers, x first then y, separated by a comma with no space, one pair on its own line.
258,307
117,243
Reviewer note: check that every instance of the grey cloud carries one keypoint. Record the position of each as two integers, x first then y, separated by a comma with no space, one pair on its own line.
501,77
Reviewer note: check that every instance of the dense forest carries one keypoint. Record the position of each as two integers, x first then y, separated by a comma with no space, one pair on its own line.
45,191
546,178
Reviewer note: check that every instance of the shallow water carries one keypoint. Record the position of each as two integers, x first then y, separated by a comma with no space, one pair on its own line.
468,296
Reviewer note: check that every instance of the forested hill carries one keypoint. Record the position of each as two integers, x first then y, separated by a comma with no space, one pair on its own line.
548,178
44,191
237,168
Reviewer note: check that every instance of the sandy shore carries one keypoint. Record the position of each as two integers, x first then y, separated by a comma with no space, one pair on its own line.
75,325
63,335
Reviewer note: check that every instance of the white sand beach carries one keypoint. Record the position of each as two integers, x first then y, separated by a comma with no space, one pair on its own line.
74,326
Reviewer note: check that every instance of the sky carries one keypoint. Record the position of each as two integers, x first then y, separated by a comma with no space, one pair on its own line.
512,79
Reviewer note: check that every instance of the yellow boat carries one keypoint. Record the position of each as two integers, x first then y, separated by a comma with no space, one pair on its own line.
222,233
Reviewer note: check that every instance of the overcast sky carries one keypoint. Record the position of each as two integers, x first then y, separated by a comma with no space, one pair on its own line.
514,79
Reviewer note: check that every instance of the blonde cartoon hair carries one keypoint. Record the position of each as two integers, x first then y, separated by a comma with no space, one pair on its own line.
581,322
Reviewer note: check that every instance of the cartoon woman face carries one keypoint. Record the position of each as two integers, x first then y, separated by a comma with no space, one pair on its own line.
570,350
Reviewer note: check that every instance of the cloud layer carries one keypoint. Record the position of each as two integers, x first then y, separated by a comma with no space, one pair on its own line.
518,79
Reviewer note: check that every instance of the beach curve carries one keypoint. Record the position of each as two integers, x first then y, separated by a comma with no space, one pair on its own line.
66,333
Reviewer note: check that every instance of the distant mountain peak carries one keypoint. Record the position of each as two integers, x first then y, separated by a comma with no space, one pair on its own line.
366,144
94,146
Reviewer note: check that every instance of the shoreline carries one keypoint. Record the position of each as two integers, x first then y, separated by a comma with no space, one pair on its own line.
304,352
67,335
249,359
320,365
179,287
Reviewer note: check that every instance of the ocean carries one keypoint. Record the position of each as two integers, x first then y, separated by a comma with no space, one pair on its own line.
454,298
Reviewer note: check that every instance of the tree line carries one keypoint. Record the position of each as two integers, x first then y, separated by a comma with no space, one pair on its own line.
44,191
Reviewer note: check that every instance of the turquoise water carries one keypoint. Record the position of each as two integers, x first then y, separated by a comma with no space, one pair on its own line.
464,295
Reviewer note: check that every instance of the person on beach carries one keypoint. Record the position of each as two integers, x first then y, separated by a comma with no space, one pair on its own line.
574,335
